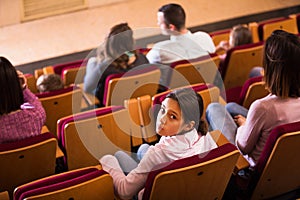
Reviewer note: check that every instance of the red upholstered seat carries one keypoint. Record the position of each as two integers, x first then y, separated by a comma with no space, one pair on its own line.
199,171
58,69
27,160
252,89
83,183
277,170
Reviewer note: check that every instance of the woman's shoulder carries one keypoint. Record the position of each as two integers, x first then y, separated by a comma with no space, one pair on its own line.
140,59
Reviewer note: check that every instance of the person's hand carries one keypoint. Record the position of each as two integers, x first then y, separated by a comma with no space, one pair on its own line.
239,120
22,79
224,45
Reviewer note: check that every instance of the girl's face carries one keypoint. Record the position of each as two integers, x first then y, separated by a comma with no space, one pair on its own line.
169,119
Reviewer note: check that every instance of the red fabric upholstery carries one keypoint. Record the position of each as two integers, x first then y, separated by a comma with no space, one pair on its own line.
55,183
55,92
238,94
274,135
26,142
58,69
200,158
214,33
233,94
262,23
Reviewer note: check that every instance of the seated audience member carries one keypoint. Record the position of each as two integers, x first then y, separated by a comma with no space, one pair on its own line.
249,130
21,113
49,82
239,35
116,55
183,135
182,44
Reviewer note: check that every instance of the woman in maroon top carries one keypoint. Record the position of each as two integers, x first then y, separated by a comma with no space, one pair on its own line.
21,113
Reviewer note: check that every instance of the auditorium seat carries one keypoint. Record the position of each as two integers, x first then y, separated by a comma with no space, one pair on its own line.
135,83
84,183
203,69
239,62
85,137
27,160
31,83
263,29
277,170
253,88
60,103
196,177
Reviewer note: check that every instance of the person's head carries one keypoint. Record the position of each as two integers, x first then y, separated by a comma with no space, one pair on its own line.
240,35
49,82
170,18
119,45
281,64
180,112
11,92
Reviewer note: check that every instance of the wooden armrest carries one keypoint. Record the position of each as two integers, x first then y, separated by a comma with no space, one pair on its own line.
4,195
241,163
220,139
89,99
59,153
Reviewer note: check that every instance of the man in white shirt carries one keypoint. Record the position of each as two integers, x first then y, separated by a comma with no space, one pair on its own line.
182,44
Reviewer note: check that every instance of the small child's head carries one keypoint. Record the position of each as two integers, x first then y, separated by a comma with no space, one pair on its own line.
180,112
240,35
49,82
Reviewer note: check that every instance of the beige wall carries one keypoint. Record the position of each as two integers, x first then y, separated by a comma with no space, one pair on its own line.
10,12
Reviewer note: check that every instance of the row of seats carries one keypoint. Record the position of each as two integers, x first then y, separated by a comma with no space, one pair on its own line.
275,169
86,136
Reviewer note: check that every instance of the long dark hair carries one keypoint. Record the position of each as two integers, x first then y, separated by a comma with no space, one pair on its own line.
117,45
11,93
192,108
281,62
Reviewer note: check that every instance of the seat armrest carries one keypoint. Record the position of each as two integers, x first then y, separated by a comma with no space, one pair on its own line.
220,139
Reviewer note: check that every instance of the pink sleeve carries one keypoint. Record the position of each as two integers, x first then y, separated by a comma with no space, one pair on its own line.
248,134
33,104
125,186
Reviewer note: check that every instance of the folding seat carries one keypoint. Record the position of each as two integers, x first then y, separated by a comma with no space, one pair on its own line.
60,103
27,160
277,170
296,16
199,70
253,88
202,176
31,83
85,137
220,35
74,75
239,62
135,83
85,183
263,29
59,68
142,120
